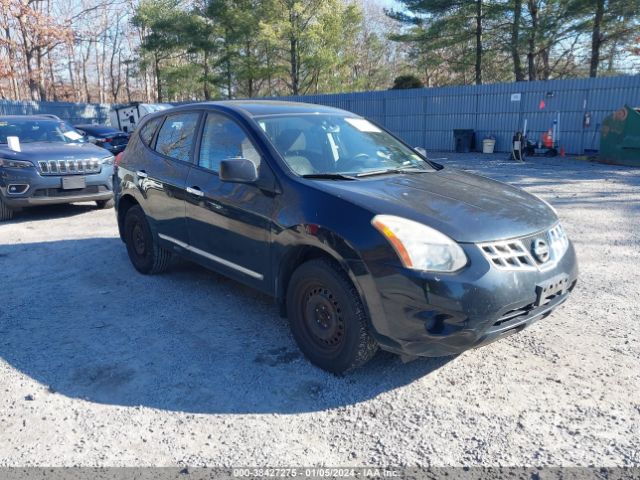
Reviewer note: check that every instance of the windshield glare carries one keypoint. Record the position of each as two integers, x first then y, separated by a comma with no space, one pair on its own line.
331,144
37,130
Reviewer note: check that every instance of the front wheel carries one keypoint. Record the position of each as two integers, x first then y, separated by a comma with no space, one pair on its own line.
104,204
144,252
328,319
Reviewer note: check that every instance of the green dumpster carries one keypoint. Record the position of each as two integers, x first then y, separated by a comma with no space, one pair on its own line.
620,137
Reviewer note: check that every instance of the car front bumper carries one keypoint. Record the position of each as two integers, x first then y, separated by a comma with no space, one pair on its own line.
47,189
425,314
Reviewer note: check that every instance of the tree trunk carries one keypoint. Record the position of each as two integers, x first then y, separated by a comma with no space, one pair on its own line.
40,75
28,51
546,64
531,55
250,70
229,78
72,77
294,54
85,81
52,78
515,41
127,82
99,76
295,80
205,75
12,71
157,73
596,39
478,42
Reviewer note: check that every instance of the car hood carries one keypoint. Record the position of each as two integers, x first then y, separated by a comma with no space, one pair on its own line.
466,207
37,151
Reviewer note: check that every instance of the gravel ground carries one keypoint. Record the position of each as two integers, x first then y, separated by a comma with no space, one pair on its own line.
102,366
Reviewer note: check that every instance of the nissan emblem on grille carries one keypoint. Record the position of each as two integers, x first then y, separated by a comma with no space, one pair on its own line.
540,249
535,252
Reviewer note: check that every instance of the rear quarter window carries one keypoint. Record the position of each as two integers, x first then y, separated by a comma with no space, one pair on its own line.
177,135
149,129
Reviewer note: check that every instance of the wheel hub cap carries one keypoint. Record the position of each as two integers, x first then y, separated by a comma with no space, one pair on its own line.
322,316
139,243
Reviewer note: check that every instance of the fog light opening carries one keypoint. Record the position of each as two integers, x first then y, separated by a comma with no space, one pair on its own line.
17,188
434,323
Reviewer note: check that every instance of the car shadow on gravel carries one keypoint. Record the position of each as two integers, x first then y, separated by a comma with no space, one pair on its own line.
78,319
48,212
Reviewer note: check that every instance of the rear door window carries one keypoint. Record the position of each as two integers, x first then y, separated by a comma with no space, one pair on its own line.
177,136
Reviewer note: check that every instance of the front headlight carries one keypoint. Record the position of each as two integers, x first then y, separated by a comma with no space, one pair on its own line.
108,160
420,247
15,163
559,241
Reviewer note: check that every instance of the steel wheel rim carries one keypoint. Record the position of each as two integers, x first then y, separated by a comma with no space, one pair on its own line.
138,240
322,317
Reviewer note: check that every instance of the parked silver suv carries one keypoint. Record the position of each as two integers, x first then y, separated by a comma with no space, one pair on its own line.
46,161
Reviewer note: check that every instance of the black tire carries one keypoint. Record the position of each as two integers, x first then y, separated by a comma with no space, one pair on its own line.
6,212
143,249
327,317
104,204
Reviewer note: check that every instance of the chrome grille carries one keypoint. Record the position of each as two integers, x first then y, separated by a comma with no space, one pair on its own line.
69,167
518,254
508,255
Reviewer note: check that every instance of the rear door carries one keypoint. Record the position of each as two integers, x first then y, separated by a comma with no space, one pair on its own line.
162,180
229,223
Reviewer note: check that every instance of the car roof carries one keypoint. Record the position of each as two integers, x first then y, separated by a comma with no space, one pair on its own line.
29,117
96,126
258,108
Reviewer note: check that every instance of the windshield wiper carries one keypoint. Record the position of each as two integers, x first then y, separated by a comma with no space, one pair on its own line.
389,171
328,176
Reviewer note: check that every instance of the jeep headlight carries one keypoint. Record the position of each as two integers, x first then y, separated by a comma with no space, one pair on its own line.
107,160
420,247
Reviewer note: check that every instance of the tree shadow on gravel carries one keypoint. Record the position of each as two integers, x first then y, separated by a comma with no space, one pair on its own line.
77,318
48,212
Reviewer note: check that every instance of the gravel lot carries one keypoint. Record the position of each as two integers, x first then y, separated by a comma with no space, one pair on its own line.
102,366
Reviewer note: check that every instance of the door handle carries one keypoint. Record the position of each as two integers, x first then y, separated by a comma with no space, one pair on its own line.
195,191
141,174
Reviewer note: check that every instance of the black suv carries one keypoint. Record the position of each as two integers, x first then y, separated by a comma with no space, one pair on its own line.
364,242
104,136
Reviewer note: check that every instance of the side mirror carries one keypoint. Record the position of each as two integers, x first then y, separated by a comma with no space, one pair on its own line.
421,151
238,170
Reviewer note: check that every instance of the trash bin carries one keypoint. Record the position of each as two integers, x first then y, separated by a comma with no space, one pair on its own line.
488,144
464,140
620,137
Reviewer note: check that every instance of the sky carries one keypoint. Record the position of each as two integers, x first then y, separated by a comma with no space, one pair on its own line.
387,3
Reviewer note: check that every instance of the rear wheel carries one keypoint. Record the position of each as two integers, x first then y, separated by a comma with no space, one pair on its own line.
6,212
327,317
144,252
104,204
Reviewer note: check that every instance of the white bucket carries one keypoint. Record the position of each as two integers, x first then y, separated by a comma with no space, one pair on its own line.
488,144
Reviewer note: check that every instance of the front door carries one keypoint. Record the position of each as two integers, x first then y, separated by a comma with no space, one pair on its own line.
229,224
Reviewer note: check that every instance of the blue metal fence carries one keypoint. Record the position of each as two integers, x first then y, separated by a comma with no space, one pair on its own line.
74,113
426,117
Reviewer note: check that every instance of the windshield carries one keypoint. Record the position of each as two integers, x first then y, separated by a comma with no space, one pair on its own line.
38,130
313,144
